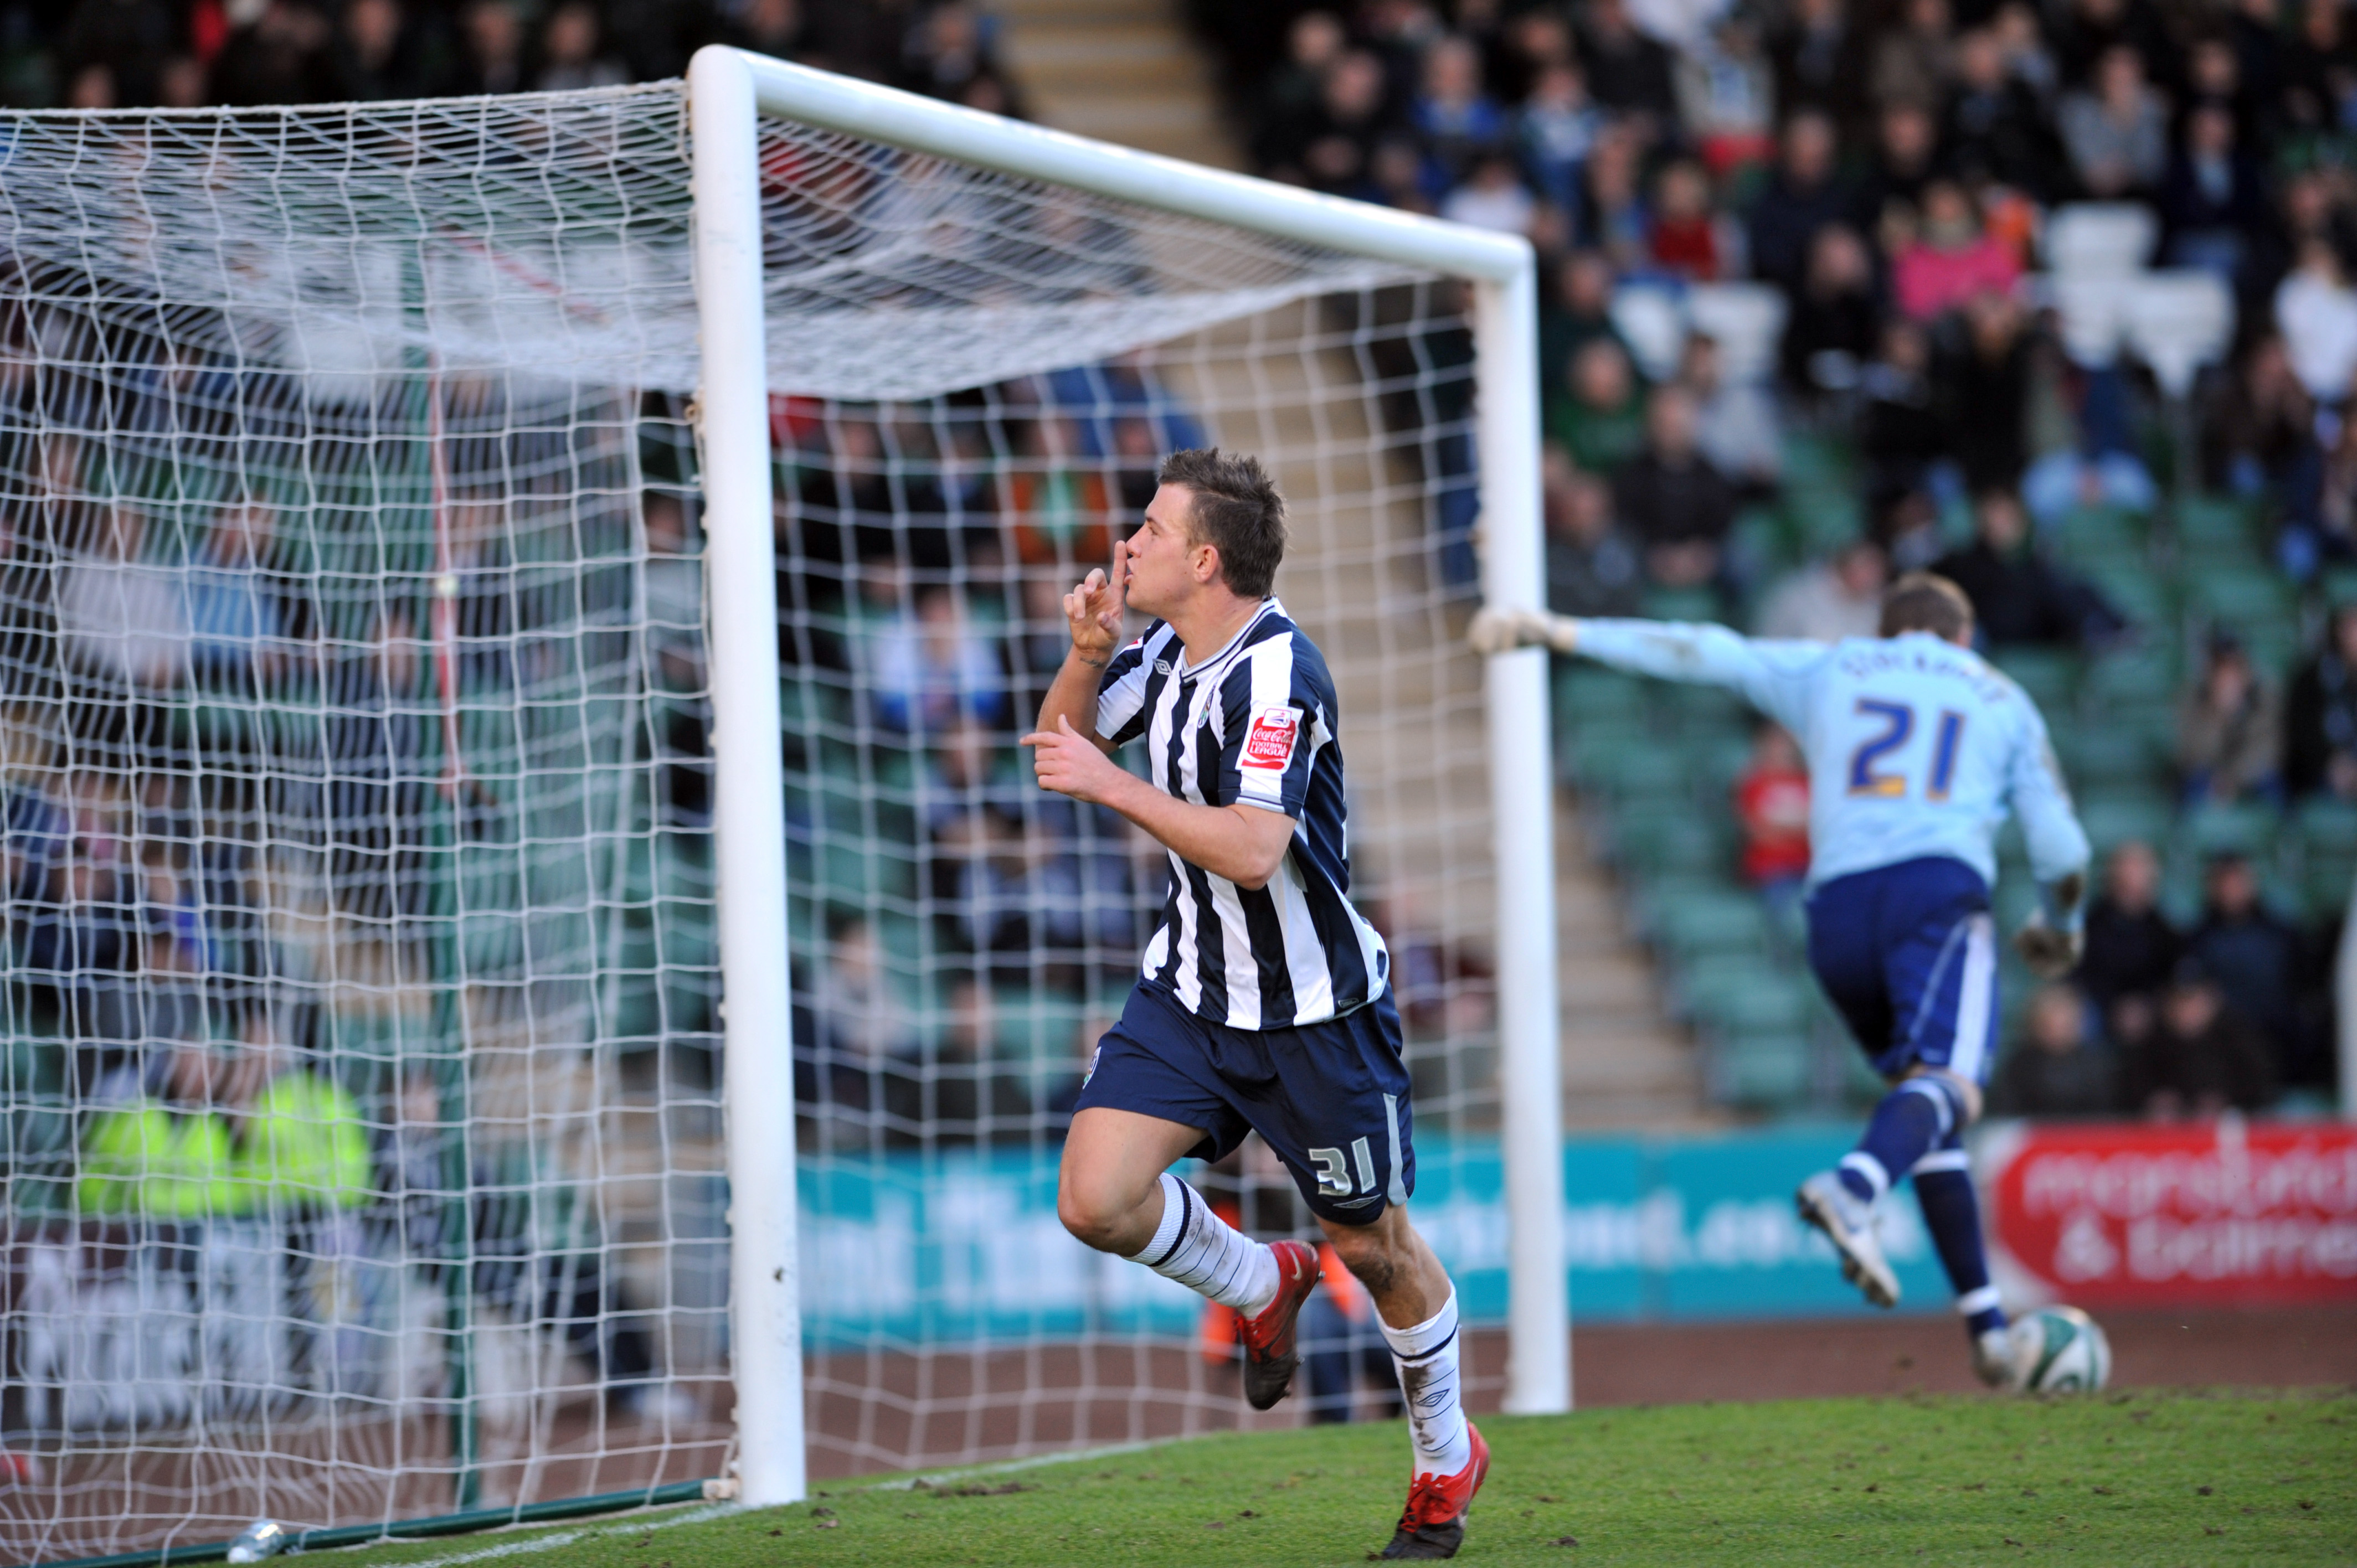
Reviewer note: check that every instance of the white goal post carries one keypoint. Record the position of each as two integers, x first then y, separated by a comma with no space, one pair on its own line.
729,90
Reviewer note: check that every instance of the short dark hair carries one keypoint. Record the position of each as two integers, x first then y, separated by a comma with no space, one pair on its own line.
1925,601
1237,511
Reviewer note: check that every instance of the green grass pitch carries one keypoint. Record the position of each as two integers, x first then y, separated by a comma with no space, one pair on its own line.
2143,1479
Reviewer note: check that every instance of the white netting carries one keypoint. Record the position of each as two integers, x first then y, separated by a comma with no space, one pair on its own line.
363,1143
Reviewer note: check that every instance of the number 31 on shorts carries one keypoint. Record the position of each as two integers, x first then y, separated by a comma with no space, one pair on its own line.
1334,1170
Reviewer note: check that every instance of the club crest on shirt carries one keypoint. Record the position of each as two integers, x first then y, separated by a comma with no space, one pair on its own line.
1269,743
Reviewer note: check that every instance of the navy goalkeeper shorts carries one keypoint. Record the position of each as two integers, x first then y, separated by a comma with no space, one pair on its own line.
1331,1099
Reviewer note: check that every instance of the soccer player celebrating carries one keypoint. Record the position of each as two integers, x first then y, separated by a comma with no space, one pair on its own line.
1916,750
1265,1001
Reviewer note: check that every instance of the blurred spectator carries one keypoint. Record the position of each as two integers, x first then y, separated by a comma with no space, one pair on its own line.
2116,130
1834,320
1727,97
2214,207
2130,946
375,52
1612,216
1459,122
2316,311
1804,196
1899,432
1735,422
1838,596
2229,728
775,28
1339,141
2258,430
2201,1057
1592,569
122,614
1579,313
2054,1069
1290,101
1493,197
1557,128
1673,503
281,56
1628,72
109,52
1818,57
928,669
1981,385
1683,238
2018,596
1771,810
2253,958
1906,158
571,51
2094,470
1913,59
492,53
1949,260
2318,71
854,1053
1996,130
1602,422
2088,29
2320,715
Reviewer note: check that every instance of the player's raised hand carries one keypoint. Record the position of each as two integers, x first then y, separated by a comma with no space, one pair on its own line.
1096,608
2049,952
1502,631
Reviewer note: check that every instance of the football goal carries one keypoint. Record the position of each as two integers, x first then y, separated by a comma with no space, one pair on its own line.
535,975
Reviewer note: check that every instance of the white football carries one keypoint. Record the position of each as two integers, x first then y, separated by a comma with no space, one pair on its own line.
2065,1350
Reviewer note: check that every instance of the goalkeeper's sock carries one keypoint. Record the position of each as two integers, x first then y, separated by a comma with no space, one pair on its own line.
1425,1358
1952,1213
1907,1125
1204,1253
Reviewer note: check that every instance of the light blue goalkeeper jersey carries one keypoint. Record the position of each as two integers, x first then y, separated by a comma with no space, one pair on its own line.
1916,747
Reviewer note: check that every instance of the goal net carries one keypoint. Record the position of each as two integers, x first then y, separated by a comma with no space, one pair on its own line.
364,1153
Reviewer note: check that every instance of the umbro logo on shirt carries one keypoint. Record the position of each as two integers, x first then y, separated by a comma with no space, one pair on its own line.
1162,667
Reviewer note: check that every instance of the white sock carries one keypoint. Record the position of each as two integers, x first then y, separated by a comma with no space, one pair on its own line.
1426,1357
1204,1253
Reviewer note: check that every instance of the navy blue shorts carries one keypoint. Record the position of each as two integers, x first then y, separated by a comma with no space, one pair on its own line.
1331,1099
1908,954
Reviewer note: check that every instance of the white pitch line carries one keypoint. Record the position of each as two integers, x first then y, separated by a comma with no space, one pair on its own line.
1061,1457
552,1541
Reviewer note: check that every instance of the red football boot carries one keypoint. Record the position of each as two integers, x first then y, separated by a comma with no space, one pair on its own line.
1434,1525
1269,1355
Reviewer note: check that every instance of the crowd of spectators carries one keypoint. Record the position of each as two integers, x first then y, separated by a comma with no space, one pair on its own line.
109,54
2164,1022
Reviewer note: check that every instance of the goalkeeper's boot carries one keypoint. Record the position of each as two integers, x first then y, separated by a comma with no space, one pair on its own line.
1269,1354
1848,1221
1434,1525
2001,1359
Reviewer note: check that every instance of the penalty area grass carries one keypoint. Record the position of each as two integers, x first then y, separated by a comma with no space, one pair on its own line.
2129,1478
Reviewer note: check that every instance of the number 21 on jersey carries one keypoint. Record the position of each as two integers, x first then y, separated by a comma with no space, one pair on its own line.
1898,727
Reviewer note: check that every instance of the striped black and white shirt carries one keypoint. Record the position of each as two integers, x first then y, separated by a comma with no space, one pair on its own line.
1253,725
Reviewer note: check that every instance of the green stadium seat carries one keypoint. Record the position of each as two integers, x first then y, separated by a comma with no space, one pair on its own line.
2089,531
2243,599
2213,521
2112,820
1691,925
2145,674
1614,768
2246,828
1681,604
2328,826
2102,757
1675,841
1771,1072
2050,676
2325,883
1585,696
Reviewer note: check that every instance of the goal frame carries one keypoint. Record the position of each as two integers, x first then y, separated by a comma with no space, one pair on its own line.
728,92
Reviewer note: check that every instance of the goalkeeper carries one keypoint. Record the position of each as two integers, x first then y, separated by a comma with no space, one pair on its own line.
1264,1003
1916,750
